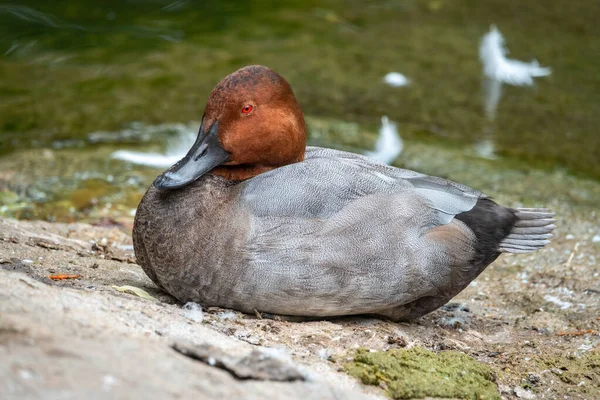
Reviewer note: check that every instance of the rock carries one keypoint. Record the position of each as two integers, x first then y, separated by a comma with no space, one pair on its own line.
533,379
256,365
106,347
524,393
397,340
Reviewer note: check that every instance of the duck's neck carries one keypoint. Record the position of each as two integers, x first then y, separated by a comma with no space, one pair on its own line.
240,172
243,172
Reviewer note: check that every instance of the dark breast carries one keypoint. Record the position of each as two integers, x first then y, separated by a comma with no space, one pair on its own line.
186,239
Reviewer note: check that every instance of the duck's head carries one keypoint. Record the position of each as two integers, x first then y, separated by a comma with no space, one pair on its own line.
252,123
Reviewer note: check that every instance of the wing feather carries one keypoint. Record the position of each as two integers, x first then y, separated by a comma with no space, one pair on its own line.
328,180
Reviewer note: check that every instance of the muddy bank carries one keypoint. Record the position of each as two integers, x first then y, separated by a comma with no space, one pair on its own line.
531,320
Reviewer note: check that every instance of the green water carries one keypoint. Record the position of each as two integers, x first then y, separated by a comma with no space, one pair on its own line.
72,68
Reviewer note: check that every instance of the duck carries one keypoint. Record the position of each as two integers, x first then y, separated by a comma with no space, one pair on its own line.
252,219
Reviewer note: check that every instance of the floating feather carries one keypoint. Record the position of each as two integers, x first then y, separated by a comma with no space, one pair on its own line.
177,148
498,67
396,79
389,143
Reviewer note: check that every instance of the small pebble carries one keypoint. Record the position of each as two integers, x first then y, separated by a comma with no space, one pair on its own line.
108,381
25,374
193,311
524,393
227,315
534,378
397,340
323,354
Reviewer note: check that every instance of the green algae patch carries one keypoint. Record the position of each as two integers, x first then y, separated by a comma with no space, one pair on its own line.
418,373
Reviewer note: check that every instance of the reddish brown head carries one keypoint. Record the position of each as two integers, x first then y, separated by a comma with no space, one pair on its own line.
252,123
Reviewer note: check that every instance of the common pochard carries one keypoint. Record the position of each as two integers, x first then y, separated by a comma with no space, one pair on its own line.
252,219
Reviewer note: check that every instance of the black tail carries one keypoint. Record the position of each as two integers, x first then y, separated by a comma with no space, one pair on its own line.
505,230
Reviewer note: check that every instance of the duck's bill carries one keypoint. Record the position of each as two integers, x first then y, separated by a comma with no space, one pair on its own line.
206,154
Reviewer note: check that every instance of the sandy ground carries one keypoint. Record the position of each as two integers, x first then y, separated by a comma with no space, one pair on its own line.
531,318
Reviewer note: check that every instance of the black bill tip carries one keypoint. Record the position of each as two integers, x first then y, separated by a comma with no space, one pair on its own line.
206,154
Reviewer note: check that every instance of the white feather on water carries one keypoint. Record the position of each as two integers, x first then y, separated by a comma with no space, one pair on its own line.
389,144
396,79
499,70
497,66
492,90
486,149
177,148
149,159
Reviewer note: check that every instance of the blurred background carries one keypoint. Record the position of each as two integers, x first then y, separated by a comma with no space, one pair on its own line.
80,80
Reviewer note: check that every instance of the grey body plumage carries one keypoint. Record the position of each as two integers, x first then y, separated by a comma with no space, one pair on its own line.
335,234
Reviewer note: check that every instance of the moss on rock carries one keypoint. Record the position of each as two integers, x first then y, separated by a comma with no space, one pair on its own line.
417,373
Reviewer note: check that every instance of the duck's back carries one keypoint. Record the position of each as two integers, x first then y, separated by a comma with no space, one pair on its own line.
344,235
336,234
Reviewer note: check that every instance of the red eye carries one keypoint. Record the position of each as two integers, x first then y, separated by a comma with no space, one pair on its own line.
248,108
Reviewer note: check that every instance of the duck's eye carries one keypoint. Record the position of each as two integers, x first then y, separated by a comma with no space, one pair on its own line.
248,108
